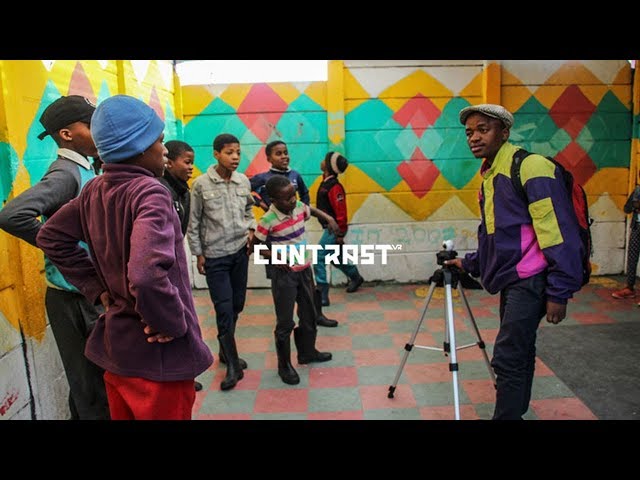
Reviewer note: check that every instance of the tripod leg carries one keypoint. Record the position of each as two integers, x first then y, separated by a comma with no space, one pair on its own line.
481,343
409,345
453,364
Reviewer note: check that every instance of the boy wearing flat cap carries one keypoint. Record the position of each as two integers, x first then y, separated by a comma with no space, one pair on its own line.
70,315
528,250
148,341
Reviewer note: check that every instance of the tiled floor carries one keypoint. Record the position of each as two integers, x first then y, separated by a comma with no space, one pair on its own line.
368,345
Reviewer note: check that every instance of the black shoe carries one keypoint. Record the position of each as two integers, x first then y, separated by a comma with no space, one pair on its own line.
286,371
198,386
354,284
234,372
306,345
323,321
315,357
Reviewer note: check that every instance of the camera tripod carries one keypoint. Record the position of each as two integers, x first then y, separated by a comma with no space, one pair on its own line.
446,276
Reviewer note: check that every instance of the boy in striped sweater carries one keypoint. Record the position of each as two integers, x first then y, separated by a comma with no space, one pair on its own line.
291,282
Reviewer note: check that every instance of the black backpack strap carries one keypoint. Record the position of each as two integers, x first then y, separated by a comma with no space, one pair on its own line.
516,163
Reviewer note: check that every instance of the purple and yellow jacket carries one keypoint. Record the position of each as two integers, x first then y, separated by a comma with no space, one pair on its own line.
516,240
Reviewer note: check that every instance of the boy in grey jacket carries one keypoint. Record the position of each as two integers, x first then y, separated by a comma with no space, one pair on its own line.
221,225
71,316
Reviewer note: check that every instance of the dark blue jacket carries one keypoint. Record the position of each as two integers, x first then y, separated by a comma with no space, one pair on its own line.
259,181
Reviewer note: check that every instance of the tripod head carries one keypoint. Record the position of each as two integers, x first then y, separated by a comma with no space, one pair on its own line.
447,253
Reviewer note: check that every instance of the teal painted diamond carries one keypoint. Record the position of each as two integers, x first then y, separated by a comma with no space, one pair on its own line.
218,117
453,157
170,124
604,136
306,158
40,153
104,92
370,115
8,169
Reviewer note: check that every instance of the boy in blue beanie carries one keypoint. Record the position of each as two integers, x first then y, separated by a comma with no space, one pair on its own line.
70,315
148,341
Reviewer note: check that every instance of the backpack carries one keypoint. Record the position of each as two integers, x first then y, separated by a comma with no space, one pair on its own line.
578,198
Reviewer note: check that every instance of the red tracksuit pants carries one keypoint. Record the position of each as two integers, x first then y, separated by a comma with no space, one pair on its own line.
134,398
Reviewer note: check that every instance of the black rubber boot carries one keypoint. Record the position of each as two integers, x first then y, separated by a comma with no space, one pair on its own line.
234,372
324,294
354,283
306,346
243,364
223,359
286,371
321,320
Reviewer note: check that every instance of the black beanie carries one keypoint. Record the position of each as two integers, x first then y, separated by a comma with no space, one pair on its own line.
336,163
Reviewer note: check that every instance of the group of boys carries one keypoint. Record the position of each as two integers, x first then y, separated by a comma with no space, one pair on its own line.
113,253
116,267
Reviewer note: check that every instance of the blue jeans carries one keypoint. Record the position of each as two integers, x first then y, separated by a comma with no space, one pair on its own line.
320,269
227,281
522,306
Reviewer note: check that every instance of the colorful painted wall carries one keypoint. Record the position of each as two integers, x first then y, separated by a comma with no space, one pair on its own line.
32,382
412,180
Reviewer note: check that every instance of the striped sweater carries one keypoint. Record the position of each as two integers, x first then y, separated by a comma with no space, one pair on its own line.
277,228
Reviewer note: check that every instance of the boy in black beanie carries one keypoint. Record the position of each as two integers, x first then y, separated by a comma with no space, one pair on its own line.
332,200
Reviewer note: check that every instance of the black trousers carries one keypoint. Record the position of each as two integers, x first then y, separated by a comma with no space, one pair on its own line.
227,282
72,318
522,306
290,288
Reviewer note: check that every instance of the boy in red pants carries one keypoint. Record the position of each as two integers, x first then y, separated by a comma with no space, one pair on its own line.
148,341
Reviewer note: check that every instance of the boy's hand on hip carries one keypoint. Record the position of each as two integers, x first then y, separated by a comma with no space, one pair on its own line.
105,299
155,336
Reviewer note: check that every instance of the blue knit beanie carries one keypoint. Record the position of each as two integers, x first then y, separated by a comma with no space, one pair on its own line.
123,127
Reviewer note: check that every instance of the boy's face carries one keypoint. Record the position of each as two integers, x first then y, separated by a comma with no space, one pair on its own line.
485,135
77,137
279,157
285,200
154,157
182,166
323,166
229,156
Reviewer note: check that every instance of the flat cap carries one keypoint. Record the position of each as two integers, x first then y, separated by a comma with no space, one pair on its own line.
490,110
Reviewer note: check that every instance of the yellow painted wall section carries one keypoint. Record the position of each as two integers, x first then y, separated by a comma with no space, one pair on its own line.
335,105
492,82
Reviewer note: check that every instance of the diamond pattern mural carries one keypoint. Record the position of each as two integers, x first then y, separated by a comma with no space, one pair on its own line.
402,132
258,114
